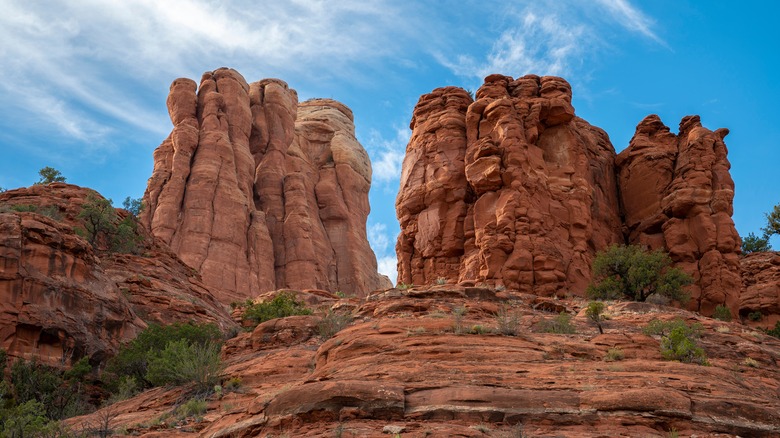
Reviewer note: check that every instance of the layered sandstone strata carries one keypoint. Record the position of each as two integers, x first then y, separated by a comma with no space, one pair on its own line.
258,192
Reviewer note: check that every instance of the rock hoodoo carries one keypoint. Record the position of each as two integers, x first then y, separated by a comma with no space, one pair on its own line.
259,192
514,189
510,189
677,194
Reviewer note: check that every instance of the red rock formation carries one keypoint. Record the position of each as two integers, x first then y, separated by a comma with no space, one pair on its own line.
257,192
402,366
60,300
677,194
761,287
511,189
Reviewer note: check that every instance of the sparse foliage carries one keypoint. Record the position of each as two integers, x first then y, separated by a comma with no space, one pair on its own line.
133,359
772,222
133,205
183,362
678,340
561,324
332,323
752,243
507,321
614,354
49,175
284,304
103,229
722,313
458,313
775,331
634,273
595,312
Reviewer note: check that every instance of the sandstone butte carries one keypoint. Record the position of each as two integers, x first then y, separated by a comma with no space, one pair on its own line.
259,192
505,199
513,189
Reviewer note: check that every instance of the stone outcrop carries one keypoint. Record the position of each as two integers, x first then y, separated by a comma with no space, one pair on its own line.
761,288
257,191
676,194
513,189
510,189
60,300
408,364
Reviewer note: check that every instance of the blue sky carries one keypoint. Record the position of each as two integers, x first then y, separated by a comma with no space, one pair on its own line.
85,82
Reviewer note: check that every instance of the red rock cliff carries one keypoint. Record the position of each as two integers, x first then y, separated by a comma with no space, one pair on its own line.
514,189
258,192
510,189
677,194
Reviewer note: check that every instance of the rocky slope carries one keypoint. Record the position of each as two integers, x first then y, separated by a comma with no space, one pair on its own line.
257,191
60,300
409,364
513,189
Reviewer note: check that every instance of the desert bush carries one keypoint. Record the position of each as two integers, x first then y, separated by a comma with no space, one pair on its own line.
103,229
756,316
61,393
775,331
194,407
133,205
332,323
183,363
614,354
752,243
283,305
458,313
678,340
680,344
595,313
49,175
561,324
507,321
722,313
132,360
634,273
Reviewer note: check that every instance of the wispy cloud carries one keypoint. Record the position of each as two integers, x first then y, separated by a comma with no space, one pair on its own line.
631,18
388,266
387,154
548,38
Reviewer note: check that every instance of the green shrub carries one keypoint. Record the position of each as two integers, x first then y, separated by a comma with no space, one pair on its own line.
722,313
561,324
283,305
49,175
756,316
132,360
507,321
332,323
752,243
595,312
680,344
775,331
61,394
103,229
133,206
182,363
614,354
678,340
458,314
634,273
194,407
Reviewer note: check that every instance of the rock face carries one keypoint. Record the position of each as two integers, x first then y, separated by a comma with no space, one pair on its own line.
514,189
60,300
510,189
761,287
258,192
409,365
676,194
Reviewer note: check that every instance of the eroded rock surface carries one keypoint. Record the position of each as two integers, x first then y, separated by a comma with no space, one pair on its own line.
60,300
258,192
510,189
409,364
677,194
761,287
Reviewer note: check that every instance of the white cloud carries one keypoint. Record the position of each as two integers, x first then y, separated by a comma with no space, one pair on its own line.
631,18
388,266
378,238
387,155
